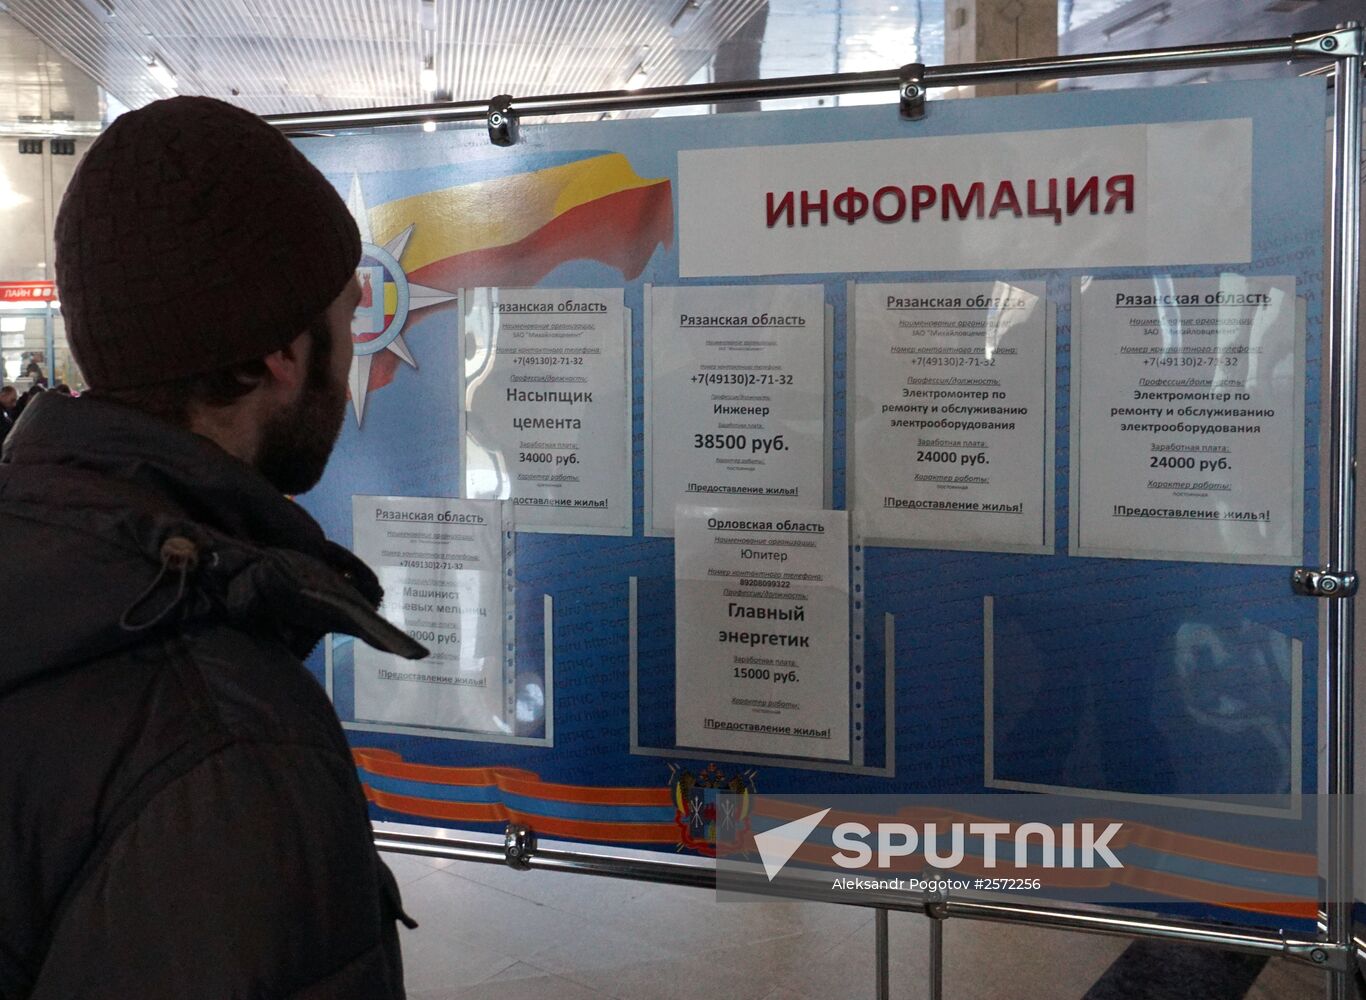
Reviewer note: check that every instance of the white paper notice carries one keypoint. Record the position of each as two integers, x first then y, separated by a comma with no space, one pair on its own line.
737,397
762,648
440,563
1187,427
547,406
952,409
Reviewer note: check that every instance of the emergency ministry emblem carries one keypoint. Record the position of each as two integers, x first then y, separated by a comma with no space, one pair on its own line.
387,302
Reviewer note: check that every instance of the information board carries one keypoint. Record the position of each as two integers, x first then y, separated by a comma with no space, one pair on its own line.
855,284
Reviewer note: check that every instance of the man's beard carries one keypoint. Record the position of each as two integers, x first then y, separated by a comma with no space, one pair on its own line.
296,442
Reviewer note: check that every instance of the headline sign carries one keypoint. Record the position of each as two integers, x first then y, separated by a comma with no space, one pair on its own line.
1168,194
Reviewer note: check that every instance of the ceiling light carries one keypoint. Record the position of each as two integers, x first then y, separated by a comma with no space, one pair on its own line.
428,76
638,79
427,15
429,126
687,14
161,74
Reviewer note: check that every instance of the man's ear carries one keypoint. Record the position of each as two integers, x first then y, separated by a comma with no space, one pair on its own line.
289,365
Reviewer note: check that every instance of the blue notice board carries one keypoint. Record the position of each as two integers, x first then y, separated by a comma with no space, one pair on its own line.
1115,676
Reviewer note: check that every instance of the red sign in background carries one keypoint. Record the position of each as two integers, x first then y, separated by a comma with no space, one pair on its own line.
27,291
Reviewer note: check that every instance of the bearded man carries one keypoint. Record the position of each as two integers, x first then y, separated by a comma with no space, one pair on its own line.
179,812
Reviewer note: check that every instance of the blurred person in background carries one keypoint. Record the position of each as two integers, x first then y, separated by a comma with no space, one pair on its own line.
34,372
36,389
9,410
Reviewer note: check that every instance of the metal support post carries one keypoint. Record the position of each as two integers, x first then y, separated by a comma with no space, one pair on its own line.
49,346
936,959
1343,291
937,910
884,958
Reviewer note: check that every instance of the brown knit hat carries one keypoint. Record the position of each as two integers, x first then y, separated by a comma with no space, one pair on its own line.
194,236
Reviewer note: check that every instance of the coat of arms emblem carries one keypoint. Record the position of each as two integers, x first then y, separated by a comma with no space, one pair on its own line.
707,819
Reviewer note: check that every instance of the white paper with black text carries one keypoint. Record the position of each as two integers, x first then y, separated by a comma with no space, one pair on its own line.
737,397
1187,431
762,630
952,411
547,406
440,563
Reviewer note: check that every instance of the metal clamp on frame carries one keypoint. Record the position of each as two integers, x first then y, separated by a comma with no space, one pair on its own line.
1345,41
502,121
912,90
519,844
1323,583
1321,955
936,896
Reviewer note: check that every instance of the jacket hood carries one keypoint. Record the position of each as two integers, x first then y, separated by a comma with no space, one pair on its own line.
114,525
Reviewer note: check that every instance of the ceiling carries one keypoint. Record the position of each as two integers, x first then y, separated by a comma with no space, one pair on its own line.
35,80
275,56
278,56
1158,23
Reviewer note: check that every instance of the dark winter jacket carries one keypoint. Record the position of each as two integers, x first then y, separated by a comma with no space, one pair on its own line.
179,812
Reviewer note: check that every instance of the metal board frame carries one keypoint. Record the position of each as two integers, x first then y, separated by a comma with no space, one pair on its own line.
1339,55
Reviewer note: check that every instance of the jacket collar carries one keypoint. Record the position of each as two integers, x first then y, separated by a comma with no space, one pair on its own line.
190,471
259,559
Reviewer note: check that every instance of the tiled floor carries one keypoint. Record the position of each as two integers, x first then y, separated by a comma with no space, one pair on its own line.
490,933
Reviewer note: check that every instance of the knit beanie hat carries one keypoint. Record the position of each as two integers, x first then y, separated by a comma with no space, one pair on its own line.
194,236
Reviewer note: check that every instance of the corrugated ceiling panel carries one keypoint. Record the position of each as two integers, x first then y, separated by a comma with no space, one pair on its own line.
275,56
